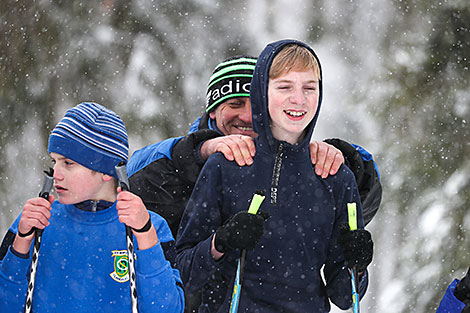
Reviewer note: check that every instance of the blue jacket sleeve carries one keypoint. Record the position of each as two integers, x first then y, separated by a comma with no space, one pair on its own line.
13,282
449,303
159,286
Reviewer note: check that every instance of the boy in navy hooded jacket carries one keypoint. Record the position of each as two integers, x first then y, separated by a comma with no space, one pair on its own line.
301,237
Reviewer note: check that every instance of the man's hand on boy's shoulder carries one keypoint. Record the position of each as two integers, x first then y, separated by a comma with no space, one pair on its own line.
238,148
326,158
241,149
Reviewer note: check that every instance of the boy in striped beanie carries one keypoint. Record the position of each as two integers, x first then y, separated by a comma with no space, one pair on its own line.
84,251
92,136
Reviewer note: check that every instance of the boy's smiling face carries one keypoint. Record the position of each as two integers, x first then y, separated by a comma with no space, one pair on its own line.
75,183
292,104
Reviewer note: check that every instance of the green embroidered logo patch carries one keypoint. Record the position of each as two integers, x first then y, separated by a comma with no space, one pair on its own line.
121,266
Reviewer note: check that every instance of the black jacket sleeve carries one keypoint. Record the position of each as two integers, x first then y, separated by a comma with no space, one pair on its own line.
165,185
6,243
186,153
367,177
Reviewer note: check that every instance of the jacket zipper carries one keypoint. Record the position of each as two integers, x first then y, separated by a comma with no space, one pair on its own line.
94,205
276,173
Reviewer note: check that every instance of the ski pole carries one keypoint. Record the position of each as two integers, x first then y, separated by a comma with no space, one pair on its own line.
352,218
44,193
124,184
256,201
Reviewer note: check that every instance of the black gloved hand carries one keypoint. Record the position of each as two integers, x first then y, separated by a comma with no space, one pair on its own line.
357,247
241,231
462,290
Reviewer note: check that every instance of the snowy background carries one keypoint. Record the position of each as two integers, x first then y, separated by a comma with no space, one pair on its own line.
396,82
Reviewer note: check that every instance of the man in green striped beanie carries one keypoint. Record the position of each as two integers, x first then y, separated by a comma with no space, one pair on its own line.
228,106
230,79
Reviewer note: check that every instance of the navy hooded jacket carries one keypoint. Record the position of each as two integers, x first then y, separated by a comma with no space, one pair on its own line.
282,273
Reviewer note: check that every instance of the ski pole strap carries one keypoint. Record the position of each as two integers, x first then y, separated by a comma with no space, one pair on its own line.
145,228
26,234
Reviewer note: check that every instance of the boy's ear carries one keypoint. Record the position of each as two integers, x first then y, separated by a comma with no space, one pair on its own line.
107,177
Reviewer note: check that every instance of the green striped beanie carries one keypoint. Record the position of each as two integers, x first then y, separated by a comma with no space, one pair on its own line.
230,79
92,136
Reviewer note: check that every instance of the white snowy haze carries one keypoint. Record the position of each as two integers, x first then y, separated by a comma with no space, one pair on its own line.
396,79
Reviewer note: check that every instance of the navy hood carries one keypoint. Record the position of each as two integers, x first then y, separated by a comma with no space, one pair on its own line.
259,94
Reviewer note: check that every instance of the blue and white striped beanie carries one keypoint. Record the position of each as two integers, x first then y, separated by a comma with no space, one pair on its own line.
92,136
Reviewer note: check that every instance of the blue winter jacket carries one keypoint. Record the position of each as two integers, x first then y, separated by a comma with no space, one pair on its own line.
283,273
449,303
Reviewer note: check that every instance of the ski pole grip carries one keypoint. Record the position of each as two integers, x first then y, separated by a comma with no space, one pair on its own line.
352,216
47,184
44,193
256,201
121,173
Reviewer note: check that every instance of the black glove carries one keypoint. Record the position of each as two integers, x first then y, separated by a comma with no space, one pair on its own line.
462,290
357,247
241,231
